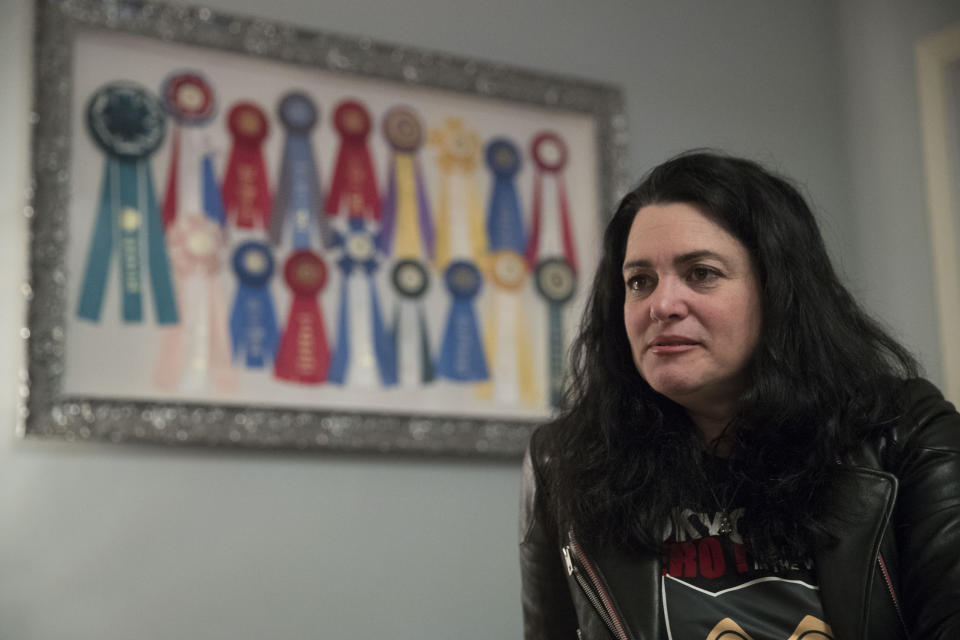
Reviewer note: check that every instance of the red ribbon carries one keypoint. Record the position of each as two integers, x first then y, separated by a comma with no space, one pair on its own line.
549,154
354,183
304,355
246,195
188,98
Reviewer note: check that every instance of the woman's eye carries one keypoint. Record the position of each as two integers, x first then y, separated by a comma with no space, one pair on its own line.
702,274
638,283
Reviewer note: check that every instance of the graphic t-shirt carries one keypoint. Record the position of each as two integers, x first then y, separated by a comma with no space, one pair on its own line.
714,590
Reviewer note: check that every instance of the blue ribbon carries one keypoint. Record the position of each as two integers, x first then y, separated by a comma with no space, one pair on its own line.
383,340
341,354
126,121
504,213
461,356
212,199
253,321
129,221
163,297
298,188
98,260
127,205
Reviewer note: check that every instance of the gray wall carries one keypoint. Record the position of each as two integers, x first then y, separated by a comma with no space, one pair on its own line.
103,542
892,269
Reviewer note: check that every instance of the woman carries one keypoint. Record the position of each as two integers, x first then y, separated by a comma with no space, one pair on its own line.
744,452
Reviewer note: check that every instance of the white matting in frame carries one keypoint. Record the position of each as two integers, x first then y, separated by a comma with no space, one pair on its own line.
97,379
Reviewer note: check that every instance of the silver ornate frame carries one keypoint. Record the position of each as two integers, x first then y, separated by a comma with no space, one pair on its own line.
46,411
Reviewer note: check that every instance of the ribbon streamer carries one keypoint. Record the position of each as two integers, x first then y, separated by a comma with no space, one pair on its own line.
407,225
459,210
253,321
246,194
356,360
191,182
414,362
304,355
462,354
549,153
127,122
507,333
297,197
504,214
556,282
354,184
197,350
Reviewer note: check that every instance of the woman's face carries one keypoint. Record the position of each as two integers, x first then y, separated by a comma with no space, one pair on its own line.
692,308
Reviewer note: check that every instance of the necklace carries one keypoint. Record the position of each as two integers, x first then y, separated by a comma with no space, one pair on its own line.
726,526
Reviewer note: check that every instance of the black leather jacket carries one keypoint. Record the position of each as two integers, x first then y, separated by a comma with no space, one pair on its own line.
894,574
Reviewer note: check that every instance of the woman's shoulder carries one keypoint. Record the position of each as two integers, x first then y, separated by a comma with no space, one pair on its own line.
542,442
916,417
926,419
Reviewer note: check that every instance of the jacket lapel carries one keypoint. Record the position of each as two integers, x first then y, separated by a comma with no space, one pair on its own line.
638,576
846,569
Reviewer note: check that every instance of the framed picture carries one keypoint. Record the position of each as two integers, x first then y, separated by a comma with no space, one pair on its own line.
246,233
938,70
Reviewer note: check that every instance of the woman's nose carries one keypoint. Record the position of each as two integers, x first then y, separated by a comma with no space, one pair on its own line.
667,301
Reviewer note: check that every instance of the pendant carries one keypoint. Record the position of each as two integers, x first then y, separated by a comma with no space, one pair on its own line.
725,528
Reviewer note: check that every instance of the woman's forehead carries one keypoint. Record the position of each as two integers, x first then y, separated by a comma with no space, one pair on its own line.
673,231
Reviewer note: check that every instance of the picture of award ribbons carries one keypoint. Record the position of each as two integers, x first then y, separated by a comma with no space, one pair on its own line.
197,351
459,210
353,188
549,153
253,321
507,333
504,213
192,185
246,193
364,355
556,282
462,355
296,204
304,355
414,361
126,121
425,287
406,221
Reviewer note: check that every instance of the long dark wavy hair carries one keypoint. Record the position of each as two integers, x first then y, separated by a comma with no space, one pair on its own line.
822,377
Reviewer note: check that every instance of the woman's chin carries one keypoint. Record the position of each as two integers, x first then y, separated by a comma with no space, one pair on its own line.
677,388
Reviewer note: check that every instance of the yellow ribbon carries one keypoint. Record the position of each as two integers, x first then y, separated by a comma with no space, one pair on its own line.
407,230
458,152
510,283
527,380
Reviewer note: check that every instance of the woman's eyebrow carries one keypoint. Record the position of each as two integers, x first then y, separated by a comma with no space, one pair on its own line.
683,258
693,256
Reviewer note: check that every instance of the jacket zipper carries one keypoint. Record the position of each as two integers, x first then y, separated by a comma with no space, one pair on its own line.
893,594
590,583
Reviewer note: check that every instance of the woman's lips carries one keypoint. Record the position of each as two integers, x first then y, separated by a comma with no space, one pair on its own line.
672,344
